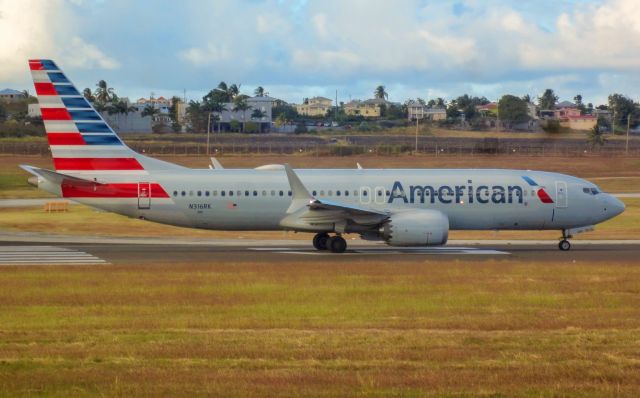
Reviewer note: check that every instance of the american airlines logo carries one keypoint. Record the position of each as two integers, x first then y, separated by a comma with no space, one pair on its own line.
483,194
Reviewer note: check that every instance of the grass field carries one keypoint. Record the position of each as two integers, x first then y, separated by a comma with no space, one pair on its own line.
339,329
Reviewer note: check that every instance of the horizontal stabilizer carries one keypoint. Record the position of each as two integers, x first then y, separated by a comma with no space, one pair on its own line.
55,177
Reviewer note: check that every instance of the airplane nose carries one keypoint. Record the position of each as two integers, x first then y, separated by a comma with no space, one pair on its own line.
615,205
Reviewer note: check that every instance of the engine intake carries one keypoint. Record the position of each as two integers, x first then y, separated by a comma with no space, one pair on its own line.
416,228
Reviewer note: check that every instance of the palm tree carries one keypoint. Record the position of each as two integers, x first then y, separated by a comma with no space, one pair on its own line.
440,102
526,98
258,114
233,91
150,111
88,95
103,93
240,105
380,93
259,91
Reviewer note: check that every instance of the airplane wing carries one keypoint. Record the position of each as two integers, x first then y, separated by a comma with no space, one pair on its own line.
308,211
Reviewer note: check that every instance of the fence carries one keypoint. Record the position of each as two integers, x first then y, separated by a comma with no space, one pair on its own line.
469,148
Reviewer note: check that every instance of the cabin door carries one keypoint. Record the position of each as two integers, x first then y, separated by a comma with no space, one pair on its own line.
144,195
561,194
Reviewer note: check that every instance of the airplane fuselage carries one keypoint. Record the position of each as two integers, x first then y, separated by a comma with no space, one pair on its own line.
241,199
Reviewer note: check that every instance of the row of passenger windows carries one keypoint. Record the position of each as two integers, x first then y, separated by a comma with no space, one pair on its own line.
364,192
268,193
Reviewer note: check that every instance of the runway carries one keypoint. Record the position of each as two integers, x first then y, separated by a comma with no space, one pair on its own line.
97,254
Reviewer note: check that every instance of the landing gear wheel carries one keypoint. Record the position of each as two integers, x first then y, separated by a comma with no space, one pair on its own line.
320,241
564,245
337,244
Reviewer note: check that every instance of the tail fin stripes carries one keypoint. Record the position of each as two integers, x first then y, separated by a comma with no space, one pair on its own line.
81,141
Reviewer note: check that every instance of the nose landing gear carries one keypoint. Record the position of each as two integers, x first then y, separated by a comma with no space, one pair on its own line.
335,244
564,244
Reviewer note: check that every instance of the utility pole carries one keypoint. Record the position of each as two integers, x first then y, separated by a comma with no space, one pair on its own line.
208,130
417,120
626,147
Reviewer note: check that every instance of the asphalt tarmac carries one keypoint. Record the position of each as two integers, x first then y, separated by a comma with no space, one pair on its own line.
96,254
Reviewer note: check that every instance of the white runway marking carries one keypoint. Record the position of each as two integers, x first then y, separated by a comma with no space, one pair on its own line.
384,250
45,255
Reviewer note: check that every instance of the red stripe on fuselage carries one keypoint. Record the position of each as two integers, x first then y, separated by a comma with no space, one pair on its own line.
544,196
65,139
55,114
45,89
35,64
114,190
97,164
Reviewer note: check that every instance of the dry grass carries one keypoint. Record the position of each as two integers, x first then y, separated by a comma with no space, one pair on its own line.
341,329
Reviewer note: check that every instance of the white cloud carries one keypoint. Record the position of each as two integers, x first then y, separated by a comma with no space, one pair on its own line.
212,54
43,29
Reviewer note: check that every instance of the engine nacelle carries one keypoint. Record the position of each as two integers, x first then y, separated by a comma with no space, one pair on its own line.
416,228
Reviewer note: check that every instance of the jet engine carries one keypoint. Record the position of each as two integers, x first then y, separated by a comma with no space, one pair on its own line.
416,228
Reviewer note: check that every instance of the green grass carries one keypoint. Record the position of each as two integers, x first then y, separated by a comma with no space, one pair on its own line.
339,329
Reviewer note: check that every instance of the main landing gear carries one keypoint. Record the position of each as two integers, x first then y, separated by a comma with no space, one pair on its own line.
564,244
335,244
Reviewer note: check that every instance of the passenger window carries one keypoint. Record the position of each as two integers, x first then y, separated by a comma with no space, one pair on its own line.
364,193
346,193
290,193
355,193
315,193
264,193
175,193
273,193
379,193
230,193
246,193
223,193
199,193
215,193
281,193
321,193
330,193
239,193
338,193
255,193
206,193
190,193
183,193
388,193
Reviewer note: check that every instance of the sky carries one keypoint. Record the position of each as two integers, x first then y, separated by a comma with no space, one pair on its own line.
304,48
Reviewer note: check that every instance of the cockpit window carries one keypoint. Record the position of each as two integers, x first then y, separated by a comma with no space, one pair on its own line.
590,191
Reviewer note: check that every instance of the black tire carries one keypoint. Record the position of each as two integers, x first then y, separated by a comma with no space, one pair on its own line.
337,244
564,245
320,241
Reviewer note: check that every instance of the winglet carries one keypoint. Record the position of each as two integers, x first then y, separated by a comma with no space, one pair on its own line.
299,193
358,165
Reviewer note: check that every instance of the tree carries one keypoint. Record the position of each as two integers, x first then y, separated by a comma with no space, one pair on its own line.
258,114
526,98
3,113
380,93
596,137
289,112
259,91
240,105
197,116
580,104
88,95
103,93
233,91
421,101
150,111
512,110
548,100
119,106
440,102
623,107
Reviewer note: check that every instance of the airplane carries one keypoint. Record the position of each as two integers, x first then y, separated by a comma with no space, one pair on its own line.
402,207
